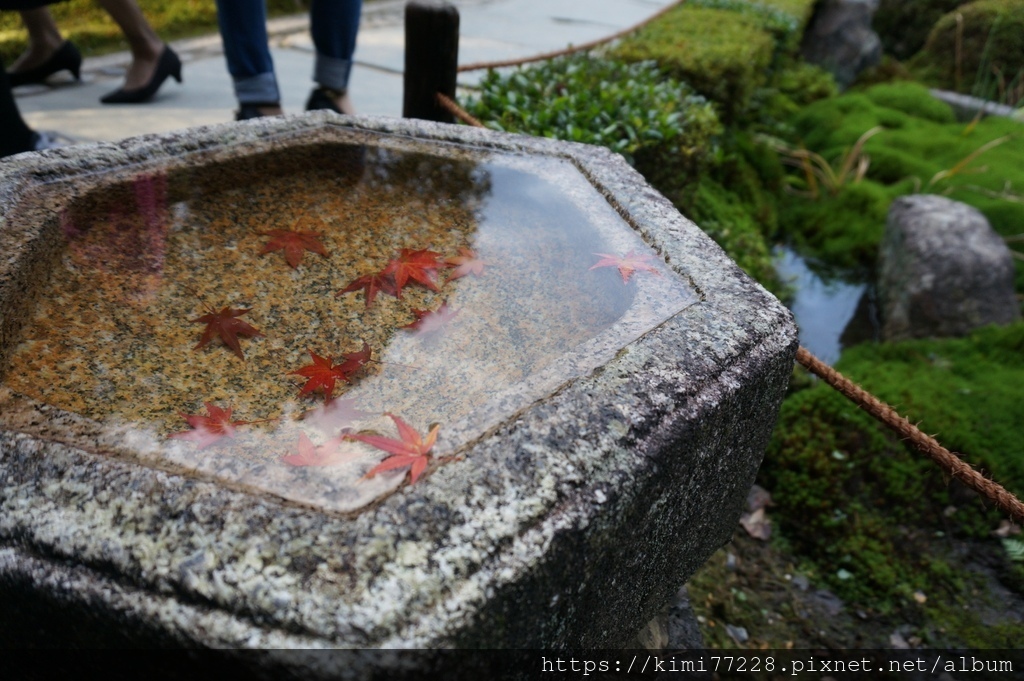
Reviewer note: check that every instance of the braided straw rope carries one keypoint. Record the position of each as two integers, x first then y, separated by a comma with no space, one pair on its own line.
951,464
476,66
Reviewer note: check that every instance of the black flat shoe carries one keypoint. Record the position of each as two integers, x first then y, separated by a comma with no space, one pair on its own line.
322,98
67,57
168,66
247,112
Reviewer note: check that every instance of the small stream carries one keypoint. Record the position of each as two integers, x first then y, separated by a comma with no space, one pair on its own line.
831,314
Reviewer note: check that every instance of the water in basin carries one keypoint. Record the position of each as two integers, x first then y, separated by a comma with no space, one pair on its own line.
113,336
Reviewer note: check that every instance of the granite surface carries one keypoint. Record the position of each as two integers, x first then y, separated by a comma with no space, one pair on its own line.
563,518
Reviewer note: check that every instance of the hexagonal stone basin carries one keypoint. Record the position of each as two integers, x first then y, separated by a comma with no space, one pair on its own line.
114,335
597,438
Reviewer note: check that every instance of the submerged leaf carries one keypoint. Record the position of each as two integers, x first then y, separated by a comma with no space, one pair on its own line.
226,325
627,264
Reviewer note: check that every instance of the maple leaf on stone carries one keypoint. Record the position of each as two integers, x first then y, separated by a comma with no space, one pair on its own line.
321,375
626,264
420,266
327,454
209,429
354,361
466,262
430,322
371,285
293,243
226,325
410,450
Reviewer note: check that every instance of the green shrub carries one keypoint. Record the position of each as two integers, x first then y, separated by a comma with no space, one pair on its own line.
632,109
992,49
723,54
904,25
851,495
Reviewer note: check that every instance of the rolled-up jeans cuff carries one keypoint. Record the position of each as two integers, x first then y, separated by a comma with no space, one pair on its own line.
258,89
332,72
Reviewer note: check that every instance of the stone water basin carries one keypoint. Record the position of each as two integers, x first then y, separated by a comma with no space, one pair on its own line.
597,426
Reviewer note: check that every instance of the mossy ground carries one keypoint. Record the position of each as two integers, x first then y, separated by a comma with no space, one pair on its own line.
975,47
920,139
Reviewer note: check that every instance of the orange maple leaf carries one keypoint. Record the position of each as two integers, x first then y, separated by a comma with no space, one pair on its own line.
227,326
421,266
411,450
467,262
293,243
627,264
209,429
324,455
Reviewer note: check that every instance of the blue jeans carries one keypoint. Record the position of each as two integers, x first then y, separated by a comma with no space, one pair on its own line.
243,29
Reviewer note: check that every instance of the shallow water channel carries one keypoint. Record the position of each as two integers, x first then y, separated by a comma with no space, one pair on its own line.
832,314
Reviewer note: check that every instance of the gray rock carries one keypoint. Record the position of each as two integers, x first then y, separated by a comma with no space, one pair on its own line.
683,628
942,270
839,38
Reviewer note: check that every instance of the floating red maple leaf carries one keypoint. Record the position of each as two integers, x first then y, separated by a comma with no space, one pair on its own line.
467,262
410,450
293,243
421,266
206,430
324,455
429,322
321,375
627,264
227,326
371,284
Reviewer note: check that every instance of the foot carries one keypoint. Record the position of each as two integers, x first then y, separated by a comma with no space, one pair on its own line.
142,68
37,54
249,111
334,100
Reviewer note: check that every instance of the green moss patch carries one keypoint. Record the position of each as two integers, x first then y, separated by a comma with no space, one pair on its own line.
856,502
919,141
973,53
723,54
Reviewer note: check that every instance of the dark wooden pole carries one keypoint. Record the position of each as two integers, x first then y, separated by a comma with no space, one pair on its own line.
431,58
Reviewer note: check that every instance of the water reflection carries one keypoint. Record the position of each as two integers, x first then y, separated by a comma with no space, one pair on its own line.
832,313
118,335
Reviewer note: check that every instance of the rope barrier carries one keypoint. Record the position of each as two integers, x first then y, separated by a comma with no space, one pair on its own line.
476,66
950,463
449,105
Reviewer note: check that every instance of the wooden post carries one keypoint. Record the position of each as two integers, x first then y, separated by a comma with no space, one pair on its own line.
431,58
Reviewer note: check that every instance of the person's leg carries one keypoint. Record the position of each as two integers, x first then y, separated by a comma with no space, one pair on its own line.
145,45
334,25
243,30
44,39
17,136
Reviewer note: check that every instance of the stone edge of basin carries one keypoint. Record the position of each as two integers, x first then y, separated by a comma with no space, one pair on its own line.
570,525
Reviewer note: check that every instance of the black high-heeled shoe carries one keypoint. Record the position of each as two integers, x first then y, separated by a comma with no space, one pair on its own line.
167,66
67,57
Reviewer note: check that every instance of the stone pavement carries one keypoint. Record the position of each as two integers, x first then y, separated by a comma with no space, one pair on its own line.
490,30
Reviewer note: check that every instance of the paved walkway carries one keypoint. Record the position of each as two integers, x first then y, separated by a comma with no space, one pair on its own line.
490,30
